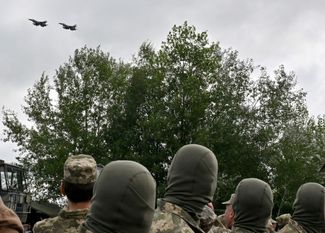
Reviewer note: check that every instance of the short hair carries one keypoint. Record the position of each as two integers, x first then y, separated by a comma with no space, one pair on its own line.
78,192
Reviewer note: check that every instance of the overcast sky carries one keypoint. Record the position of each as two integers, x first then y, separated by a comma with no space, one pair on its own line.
288,32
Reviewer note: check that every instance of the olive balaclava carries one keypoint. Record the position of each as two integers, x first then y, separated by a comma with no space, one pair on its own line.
308,207
123,201
253,205
192,178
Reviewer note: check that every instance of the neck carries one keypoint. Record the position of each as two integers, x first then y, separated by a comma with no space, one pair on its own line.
78,205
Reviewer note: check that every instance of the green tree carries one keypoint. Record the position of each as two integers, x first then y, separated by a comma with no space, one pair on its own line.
69,116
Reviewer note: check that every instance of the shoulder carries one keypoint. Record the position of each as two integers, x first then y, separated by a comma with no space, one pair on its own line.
219,222
67,221
216,229
45,225
167,218
9,221
292,227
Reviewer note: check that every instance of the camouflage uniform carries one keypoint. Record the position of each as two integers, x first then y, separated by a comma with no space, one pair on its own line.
9,221
292,227
169,217
78,169
209,221
283,219
66,222
219,229
220,221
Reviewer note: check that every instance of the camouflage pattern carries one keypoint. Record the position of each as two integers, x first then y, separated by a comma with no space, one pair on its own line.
82,229
169,218
66,222
283,219
210,223
207,218
219,229
292,227
220,221
80,169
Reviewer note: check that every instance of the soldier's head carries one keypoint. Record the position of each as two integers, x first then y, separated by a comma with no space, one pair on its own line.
308,207
192,178
253,205
229,214
79,176
124,199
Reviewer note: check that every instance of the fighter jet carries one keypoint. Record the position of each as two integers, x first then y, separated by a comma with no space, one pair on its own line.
68,27
39,23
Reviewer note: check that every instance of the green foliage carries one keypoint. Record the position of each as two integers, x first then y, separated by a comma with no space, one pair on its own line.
70,116
188,91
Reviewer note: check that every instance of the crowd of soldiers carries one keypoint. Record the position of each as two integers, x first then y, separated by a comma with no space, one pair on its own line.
122,199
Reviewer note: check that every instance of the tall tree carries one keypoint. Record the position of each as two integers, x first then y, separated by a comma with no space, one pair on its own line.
69,116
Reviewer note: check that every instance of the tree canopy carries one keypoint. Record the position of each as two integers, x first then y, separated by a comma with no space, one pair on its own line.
189,90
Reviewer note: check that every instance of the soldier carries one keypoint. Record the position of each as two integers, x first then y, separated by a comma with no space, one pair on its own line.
252,206
9,221
191,183
308,210
227,219
80,174
124,200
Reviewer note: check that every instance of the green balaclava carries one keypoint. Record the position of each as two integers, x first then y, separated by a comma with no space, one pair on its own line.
123,201
192,178
308,207
253,205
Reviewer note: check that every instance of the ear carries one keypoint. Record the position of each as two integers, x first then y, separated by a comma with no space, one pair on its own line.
232,214
62,188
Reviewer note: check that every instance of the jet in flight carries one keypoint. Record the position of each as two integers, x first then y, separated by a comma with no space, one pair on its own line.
68,27
39,23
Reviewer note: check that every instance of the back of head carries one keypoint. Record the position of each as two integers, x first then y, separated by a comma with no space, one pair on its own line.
124,199
308,207
253,205
192,178
80,173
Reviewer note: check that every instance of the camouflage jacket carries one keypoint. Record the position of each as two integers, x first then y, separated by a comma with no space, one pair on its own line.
240,230
292,227
219,229
66,222
171,218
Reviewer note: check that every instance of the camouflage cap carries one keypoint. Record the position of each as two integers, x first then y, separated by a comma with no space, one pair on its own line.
231,200
80,169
